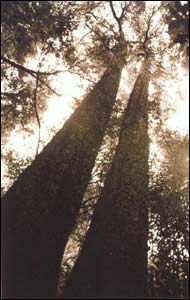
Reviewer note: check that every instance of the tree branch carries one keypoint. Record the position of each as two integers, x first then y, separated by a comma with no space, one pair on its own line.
27,70
118,19
33,73
113,12
37,116
146,39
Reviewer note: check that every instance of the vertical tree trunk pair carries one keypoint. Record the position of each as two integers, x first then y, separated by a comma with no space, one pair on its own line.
39,210
113,260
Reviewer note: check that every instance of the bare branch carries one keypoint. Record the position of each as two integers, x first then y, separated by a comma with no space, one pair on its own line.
84,36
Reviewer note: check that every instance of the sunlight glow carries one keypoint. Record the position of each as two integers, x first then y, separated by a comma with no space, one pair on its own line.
58,111
68,84
183,2
22,142
179,120
151,4
151,89
178,97
39,62
156,158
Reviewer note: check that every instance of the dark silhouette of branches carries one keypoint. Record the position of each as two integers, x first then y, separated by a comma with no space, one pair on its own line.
33,73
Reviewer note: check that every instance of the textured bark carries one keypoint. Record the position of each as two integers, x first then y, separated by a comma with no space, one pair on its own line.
113,260
39,210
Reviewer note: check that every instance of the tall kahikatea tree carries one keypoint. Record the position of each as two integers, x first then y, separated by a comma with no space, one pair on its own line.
39,210
113,261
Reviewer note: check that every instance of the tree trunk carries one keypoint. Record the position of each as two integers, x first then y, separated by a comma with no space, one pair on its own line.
39,210
113,260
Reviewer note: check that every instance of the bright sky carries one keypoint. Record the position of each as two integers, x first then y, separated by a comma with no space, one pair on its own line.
179,97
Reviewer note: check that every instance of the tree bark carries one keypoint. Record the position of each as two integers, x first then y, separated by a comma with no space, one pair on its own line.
113,260
39,210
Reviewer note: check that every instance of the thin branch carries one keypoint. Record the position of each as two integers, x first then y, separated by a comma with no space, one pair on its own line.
84,36
9,94
27,70
124,9
103,22
113,12
147,38
118,19
163,71
37,116
33,73
44,83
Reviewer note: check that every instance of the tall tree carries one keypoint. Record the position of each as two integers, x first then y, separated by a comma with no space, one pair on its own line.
38,215
113,261
39,210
